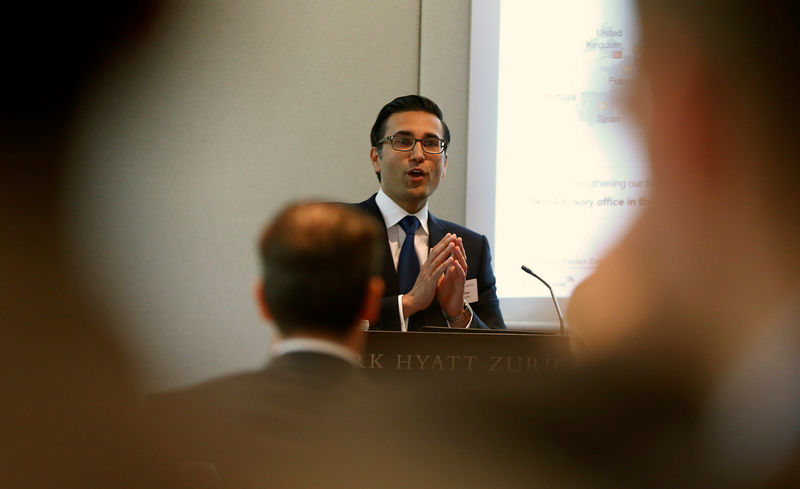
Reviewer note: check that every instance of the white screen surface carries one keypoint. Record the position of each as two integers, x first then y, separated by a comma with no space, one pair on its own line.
549,136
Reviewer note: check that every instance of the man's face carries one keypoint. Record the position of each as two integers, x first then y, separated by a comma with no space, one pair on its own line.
409,178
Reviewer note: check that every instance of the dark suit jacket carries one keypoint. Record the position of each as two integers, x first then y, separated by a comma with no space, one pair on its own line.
486,311
264,426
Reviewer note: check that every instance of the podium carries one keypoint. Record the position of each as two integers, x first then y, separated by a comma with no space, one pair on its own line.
478,353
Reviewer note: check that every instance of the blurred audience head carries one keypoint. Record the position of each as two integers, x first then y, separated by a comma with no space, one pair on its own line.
321,265
69,419
712,256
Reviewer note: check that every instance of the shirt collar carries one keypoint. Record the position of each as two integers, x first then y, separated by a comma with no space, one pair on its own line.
393,213
316,345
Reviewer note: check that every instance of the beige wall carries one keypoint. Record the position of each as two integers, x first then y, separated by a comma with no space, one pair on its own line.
229,111
444,77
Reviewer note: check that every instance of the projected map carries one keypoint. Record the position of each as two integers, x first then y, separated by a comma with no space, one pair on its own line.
570,172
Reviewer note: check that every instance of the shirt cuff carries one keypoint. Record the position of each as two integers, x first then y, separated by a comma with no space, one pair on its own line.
403,322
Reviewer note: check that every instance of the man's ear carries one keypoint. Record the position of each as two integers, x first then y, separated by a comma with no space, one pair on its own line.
444,165
375,157
371,307
258,289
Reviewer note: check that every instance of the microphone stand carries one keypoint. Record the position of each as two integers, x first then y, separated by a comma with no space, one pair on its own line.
558,309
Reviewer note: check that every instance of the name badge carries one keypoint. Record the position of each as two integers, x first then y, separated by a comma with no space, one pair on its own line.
471,290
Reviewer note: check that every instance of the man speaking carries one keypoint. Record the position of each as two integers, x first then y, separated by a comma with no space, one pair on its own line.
437,273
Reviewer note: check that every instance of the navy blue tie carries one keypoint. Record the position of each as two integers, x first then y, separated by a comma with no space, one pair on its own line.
408,264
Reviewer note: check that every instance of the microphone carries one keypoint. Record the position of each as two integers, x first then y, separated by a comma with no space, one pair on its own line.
558,309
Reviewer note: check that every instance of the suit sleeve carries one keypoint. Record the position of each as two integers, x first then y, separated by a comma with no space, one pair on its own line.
390,315
486,311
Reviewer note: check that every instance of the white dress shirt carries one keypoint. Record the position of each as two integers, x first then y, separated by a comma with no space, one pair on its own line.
316,345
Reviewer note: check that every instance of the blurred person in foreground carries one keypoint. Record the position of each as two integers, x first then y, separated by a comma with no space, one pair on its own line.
705,288
69,394
321,280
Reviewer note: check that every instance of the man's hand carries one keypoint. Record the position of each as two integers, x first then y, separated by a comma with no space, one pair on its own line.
439,259
450,290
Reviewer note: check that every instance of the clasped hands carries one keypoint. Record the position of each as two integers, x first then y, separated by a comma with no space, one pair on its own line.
442,276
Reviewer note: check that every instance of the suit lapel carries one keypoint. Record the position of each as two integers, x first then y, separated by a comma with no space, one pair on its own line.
389,272
435,231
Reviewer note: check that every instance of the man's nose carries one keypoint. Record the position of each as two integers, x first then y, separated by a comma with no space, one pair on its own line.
416,151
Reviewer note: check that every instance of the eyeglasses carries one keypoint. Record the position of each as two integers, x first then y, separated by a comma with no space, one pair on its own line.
400,142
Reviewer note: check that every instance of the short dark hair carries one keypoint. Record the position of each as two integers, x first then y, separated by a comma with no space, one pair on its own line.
317,259
407,103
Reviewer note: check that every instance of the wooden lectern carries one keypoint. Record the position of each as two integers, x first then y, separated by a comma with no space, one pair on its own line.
476,353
